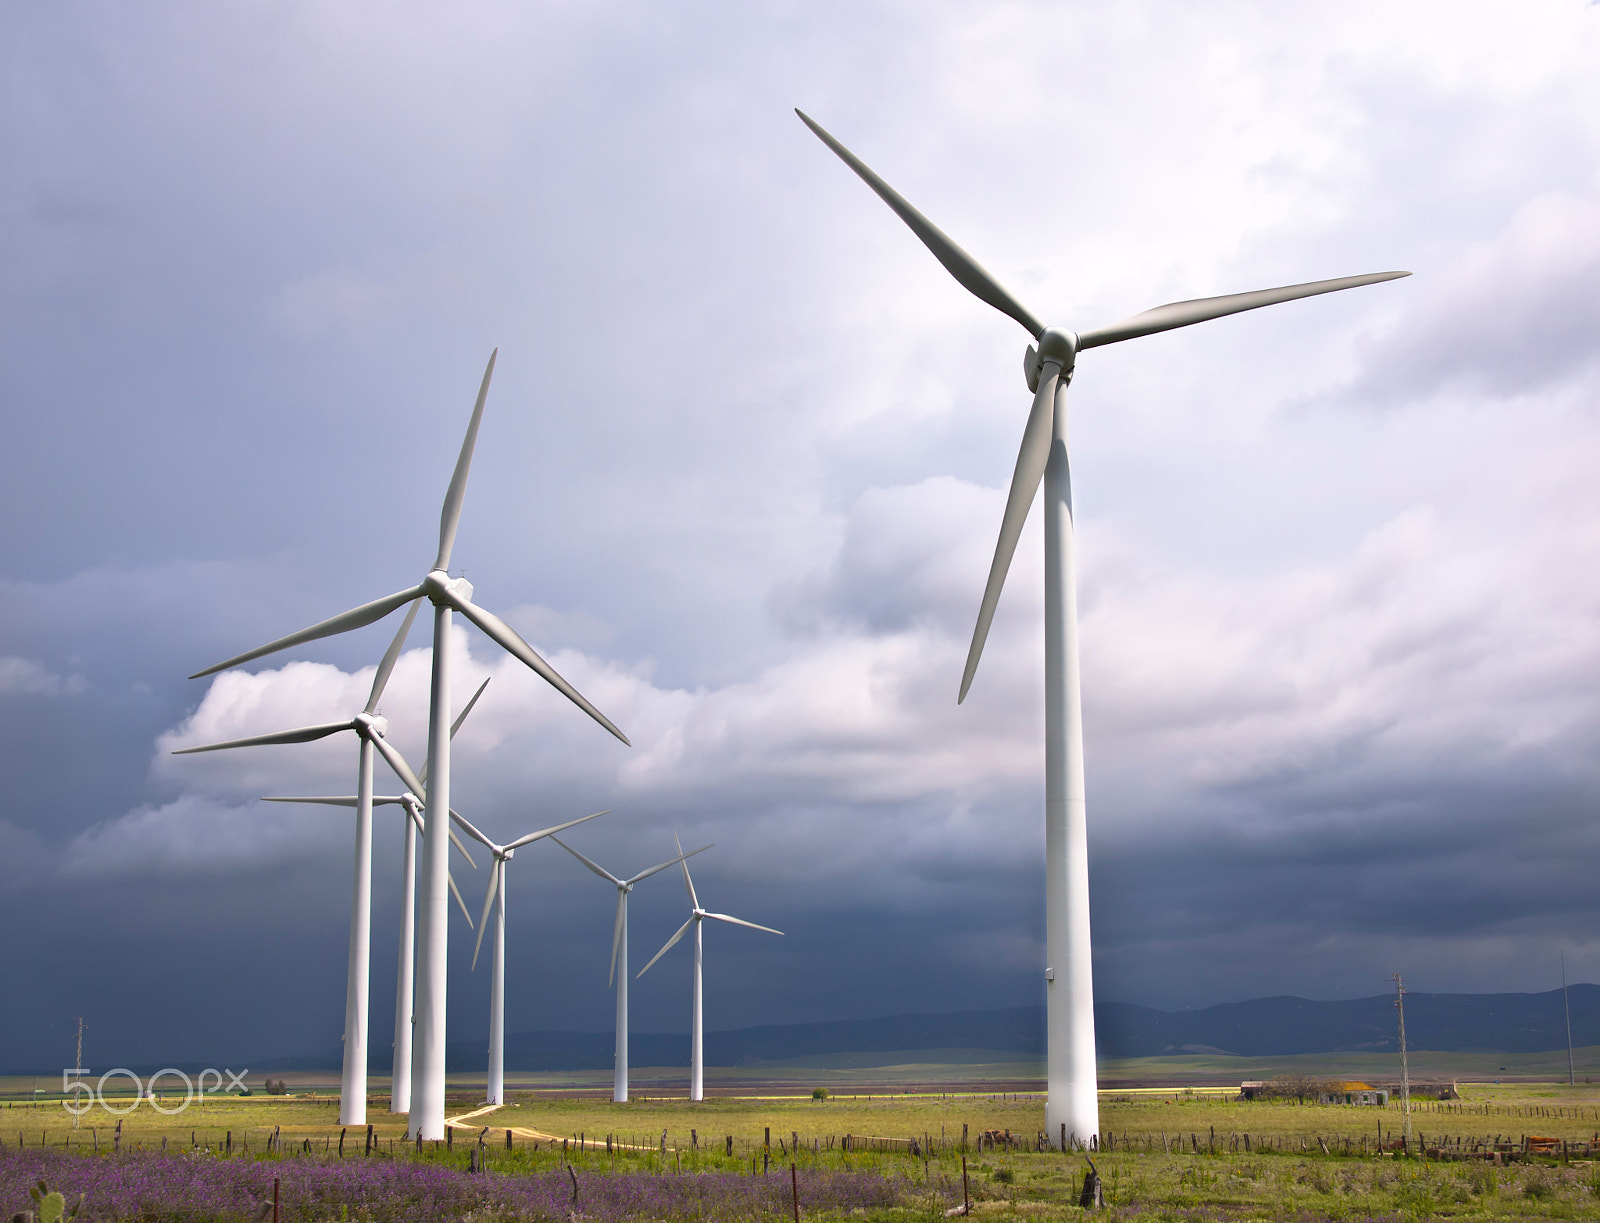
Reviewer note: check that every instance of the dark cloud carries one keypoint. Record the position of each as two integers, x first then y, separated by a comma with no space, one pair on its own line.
739,479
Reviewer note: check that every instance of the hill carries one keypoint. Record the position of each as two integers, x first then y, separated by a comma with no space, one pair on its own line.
1261,1027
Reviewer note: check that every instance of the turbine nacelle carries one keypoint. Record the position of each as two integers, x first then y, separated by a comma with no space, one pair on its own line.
371,723
438,586
1059,347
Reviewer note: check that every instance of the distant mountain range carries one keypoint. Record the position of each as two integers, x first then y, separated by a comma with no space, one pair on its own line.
1262,1027
1272,1027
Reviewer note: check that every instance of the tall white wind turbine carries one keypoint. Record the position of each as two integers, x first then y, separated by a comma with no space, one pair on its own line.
448,595
696,916
1072,1108
400,1071
369,729
619,954
496,898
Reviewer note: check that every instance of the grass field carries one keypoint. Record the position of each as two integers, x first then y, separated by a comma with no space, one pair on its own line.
1176,1151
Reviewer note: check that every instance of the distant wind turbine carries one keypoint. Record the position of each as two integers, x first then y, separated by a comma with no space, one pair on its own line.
496,897
696,916
369,729
1072,1106
619,954
447,595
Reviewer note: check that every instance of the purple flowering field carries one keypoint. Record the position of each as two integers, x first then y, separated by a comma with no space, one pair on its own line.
199,1186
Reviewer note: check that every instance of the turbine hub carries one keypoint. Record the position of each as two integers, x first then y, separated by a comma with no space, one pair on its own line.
438,582
1060,347
378,726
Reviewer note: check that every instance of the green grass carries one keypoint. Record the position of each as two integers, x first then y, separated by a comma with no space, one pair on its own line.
1291,1177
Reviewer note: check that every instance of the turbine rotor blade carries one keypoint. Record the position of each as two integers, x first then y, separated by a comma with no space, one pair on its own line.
402,770
739,921
506,637
342,800
694,901
472,831
391,656
462,716
456,892
616,934
971,275
597,869
356,617
458,842
682,930
546,832
1198,310
450,516
1031,460
422,773
488,902
306,734
661,866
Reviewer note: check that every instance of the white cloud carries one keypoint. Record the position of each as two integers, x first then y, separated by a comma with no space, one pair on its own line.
196,838
25,677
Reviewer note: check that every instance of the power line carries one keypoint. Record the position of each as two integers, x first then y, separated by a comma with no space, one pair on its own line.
1405,1069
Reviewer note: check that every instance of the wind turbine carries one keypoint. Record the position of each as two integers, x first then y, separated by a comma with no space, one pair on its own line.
369,729
1072,1107
400,1072
447,595
496,896
619,954
696,916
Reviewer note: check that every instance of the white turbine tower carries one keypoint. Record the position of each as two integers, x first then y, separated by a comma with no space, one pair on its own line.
369,729
619,954
415,826
696,916
400,1074
496,897
447,595
1072,1108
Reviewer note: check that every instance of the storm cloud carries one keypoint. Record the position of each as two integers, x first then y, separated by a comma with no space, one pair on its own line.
739,479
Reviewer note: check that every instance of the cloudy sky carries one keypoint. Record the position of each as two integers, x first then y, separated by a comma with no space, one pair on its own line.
739,478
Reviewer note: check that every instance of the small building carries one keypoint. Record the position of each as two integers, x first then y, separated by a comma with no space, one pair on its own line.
1353,1092
1332,1091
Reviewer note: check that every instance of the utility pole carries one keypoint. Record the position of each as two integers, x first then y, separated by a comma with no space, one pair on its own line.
77,1062
1572,1078
1405,1070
